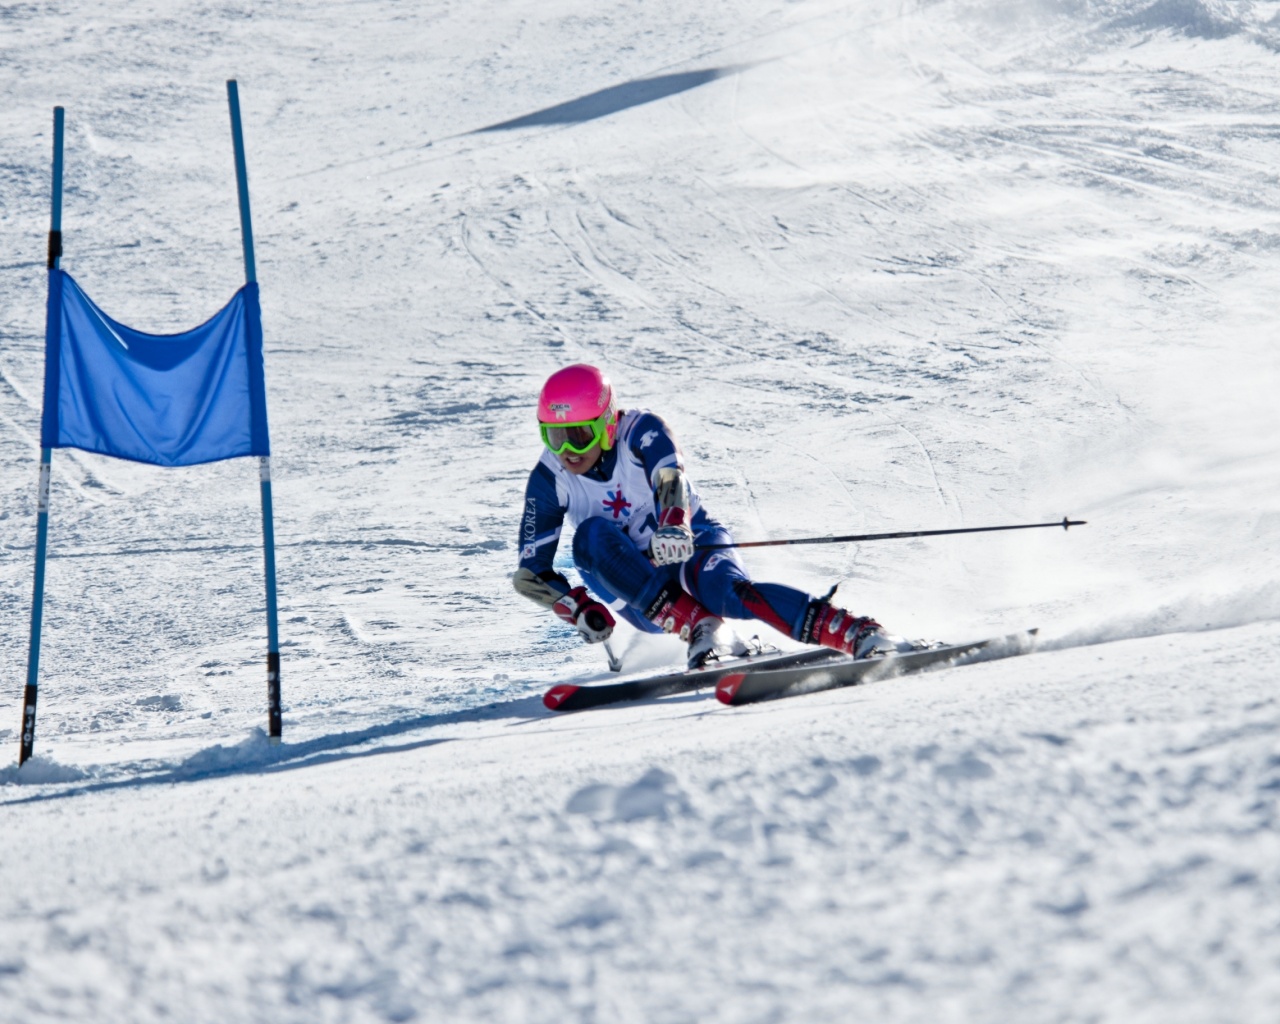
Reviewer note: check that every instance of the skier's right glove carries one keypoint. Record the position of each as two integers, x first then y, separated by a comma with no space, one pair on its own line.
592,619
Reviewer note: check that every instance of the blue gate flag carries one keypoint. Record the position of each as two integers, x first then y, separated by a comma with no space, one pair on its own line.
169,400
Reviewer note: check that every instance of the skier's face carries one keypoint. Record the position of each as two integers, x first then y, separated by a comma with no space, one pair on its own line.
579,464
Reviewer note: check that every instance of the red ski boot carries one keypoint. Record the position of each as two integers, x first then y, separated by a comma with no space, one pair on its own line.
857,636
675,611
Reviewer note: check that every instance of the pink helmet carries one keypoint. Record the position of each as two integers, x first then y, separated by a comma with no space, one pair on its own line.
580,394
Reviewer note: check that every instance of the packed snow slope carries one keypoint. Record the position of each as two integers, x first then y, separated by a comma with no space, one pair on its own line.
882,266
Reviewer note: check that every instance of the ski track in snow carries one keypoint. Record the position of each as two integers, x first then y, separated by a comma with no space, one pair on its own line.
891,264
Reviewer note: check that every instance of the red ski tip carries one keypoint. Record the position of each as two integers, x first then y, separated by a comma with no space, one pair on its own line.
557,695
727,688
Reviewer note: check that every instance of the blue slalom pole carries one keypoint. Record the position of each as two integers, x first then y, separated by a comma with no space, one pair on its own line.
242,180
28,731
274,725
274,730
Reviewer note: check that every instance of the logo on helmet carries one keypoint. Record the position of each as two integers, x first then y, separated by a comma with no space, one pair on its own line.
561,409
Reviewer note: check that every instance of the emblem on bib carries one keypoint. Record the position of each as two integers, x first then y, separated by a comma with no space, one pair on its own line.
617,504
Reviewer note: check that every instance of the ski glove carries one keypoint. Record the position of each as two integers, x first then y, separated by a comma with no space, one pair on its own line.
672,541
592,619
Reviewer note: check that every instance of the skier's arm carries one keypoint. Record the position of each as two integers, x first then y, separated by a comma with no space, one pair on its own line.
655,446
572,605
540,528
671,495
546,587
673,539
536,579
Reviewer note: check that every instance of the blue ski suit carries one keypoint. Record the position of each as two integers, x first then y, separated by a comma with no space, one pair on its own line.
613,510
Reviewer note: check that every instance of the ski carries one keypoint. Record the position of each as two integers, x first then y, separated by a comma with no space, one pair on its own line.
747,685
572,697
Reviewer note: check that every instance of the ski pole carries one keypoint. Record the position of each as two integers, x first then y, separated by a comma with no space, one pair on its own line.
849,538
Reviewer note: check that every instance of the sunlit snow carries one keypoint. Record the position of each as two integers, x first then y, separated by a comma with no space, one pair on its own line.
883,265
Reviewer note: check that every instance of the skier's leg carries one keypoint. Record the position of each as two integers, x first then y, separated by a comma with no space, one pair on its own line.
606,555
619,605
718,580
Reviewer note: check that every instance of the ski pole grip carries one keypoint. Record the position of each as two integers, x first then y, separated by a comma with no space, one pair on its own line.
596,620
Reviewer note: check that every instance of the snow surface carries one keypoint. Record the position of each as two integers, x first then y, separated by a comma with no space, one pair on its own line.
883,265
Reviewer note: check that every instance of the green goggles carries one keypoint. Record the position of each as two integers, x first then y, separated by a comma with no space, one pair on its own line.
578,438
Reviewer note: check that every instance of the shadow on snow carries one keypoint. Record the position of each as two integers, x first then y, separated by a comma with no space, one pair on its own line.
255,755
608,101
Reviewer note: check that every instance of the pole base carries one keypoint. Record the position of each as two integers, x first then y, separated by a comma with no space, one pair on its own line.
28,724
273,696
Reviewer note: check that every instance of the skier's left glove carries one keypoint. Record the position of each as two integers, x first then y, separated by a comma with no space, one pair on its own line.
592,619
672,540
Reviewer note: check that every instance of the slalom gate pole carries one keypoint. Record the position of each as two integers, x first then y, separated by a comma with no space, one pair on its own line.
28,731
850,538
274,729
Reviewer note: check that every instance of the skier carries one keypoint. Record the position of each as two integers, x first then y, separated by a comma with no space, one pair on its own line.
619,478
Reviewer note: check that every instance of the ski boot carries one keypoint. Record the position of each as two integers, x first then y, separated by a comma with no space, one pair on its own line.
857,636
708,637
